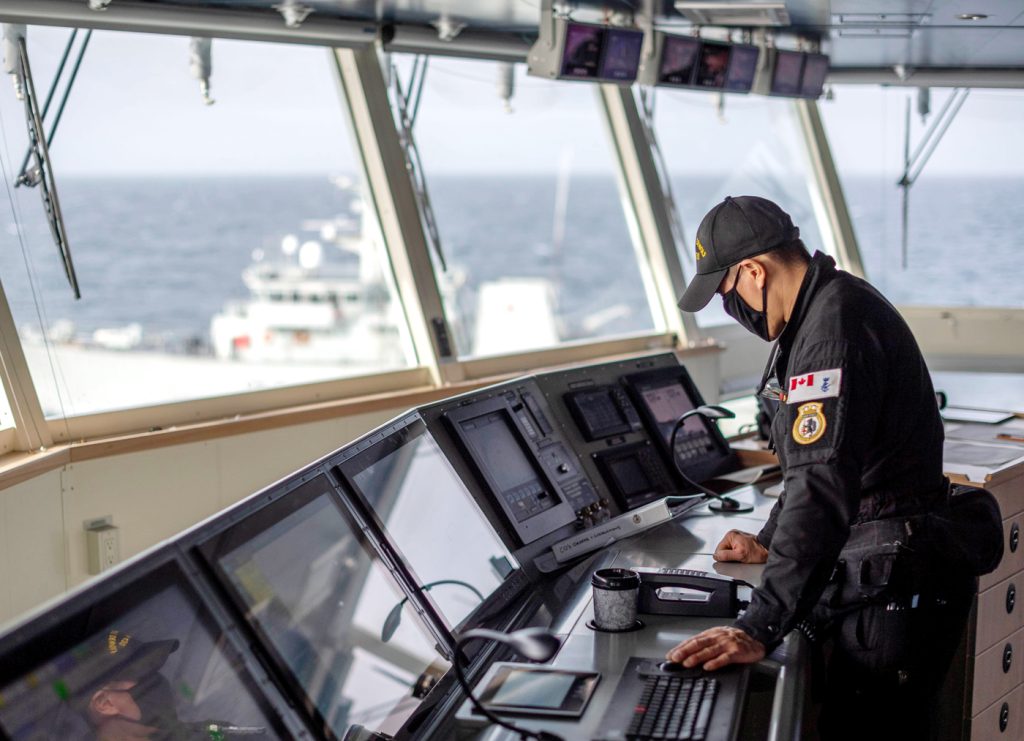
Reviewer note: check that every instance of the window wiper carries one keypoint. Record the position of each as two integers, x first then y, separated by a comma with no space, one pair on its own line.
41,174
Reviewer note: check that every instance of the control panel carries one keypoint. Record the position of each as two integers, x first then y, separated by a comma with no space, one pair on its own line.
601,420
521,457
662,396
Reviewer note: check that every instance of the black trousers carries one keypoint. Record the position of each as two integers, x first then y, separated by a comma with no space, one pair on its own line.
884,665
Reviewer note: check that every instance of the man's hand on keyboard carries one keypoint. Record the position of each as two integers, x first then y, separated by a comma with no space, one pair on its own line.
740,546
717,647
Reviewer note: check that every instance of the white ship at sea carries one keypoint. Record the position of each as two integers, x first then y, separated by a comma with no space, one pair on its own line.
321,299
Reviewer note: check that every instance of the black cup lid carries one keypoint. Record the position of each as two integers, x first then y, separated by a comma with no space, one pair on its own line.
616,579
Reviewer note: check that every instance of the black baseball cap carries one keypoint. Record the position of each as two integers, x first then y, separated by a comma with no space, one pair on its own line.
735,229
116,656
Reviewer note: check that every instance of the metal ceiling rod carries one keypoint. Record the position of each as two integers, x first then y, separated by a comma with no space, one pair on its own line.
408,106
914,163
32,179
47,186
675,221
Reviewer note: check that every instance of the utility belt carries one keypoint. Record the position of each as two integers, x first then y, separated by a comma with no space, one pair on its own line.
919,559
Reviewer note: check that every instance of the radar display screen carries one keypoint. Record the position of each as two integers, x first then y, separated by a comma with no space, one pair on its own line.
318,598
493,440
582,56
742,68
713,65
662,396
621,58
678,60
146,661
788,70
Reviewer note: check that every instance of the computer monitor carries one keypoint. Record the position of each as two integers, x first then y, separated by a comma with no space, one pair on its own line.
496,435
139,656
318,597
815,72
678,60
713,65
430,519
742,68
662,396
620,59
581,57
787,76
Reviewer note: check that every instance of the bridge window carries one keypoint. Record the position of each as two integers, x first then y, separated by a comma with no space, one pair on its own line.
751,146
206,239
532,225
964,222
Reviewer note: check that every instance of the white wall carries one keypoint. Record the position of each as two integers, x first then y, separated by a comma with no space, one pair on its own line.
152,496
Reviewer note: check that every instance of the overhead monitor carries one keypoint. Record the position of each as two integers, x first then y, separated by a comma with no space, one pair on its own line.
139,657
583,51
713,65
430,519
678,60
318,599
620,58
788,73
815,72
742,68
581,55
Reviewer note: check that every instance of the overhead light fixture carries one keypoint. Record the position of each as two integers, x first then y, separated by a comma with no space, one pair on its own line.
99,4
880,19
972,16
769,13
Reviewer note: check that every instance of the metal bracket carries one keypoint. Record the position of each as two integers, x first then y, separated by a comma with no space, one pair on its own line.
914,163
408,107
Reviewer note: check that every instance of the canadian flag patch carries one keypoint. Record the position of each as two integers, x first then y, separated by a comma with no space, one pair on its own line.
822,384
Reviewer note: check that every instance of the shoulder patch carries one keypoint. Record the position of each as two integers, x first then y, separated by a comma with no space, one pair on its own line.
809,425
823,384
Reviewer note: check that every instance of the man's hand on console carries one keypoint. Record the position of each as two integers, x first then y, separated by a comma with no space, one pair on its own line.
717,647
740,546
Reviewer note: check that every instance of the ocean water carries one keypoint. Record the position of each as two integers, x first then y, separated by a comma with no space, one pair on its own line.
167,253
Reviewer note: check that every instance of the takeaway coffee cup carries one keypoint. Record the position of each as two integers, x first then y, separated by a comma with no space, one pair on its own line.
615,598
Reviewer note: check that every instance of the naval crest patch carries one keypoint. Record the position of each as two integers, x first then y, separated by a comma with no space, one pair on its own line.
809,425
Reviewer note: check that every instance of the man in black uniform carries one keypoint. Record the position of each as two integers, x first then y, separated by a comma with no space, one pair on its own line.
859,438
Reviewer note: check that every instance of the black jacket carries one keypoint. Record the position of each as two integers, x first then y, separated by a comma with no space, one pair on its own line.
858,436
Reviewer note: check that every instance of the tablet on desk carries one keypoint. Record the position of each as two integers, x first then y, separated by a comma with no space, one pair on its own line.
525,689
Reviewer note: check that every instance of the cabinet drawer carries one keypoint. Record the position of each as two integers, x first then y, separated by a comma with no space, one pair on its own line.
1010,495
1000,612
1002,720
1013,553
998,671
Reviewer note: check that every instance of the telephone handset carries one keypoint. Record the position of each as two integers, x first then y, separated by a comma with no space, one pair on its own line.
688,592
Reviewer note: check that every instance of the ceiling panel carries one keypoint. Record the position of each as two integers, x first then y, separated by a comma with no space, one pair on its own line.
861,33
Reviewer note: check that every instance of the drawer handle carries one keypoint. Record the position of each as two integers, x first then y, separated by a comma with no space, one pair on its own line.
1007,658
1004,717
1011,598
1014,537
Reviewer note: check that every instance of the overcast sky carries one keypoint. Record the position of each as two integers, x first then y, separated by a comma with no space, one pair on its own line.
136,110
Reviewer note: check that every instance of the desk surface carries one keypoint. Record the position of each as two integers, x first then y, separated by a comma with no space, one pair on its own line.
684,543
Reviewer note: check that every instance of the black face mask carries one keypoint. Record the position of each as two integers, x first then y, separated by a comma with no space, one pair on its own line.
750,319
155,699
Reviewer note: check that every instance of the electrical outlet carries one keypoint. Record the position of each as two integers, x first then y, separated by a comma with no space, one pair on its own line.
103,543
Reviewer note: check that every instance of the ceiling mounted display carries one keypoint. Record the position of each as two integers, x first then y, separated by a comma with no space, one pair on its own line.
691,62
581,51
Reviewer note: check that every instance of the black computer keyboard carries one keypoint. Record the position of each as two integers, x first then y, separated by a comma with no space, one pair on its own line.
654,701
673,707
